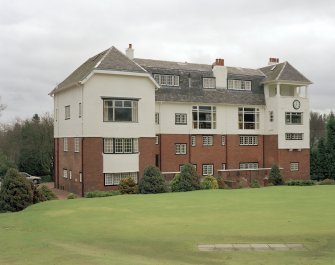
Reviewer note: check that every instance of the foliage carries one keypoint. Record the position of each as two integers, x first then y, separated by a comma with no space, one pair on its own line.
327,182
47,193
128,186
95,194
307,182
186,180
5,164
317,128
152,181
275,176
16,192
220,181
46,178
209,183
71,196
255,184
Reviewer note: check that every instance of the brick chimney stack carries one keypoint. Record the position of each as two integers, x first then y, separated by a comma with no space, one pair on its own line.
273,61
219,62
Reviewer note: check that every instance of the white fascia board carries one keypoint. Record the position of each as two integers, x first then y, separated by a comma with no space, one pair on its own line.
57,90
107,72
287,82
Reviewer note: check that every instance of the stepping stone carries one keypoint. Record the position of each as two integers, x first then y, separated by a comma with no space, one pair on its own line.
206,247
242,246
224,247
260,247
278,246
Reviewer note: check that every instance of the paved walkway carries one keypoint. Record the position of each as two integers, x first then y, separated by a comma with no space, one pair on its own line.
61,194
256,247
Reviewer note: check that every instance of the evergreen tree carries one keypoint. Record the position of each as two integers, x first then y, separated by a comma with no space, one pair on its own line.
322,158
331,145
275,176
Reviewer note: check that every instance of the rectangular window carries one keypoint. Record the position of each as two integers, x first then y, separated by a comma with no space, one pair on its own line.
119,110
181,118
204,117
239,84
248,165
80,110
157,118
207,140
115,178
76,145
65,173
294,136
223,139
294,166
208,82
248,118
65,144
80,177
70,174
248,140
56,114
67,112
193,140
271,118
157,139
207,170
167,80
293,117
224,166
120,145
180,149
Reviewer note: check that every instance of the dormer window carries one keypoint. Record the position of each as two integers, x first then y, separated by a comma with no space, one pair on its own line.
167,80
239,84
208,82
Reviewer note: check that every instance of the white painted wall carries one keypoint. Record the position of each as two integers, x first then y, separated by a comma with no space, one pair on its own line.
114,163
220,72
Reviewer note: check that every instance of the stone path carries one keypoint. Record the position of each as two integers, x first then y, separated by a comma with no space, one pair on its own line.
256,247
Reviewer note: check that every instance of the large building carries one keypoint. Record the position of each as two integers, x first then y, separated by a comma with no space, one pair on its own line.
117,114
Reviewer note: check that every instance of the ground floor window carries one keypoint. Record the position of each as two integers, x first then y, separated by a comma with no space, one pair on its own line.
115,178
248,165
207,169
294,166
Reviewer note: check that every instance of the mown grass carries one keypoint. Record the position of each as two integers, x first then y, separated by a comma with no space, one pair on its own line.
166,228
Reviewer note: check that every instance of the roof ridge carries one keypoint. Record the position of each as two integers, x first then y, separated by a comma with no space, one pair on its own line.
171,61
103,57
281,71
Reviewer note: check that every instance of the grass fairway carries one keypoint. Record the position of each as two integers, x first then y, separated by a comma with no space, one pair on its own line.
166,228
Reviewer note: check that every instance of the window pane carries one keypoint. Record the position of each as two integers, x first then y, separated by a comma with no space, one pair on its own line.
123,114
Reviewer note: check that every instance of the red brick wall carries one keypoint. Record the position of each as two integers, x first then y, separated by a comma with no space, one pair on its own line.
302,157
147,149
270,150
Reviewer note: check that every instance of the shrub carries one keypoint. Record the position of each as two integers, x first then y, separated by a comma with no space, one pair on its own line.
186,180
300,182
71,196
242,183
152,181
255,184
327,182
15,193
96,194
221,183
275,176
47,178
128,186
47,193
209,183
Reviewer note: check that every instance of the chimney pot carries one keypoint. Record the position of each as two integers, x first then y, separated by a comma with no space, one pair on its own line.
273,60
130,45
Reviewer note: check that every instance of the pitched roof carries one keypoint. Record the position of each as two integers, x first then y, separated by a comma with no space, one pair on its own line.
111,59
283,72
210,96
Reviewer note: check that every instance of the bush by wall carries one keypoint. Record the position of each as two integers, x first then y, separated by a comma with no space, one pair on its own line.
96,194
47,193
128,186
275,177
209,183
220,181
300,182
71,196
327,182
152,181
186,180
255,184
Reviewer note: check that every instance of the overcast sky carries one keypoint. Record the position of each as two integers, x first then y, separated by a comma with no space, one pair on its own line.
41,42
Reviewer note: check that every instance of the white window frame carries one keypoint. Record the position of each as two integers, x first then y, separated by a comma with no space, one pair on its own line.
243,113
157,118
65,144
113,179
294,166
291,116
236,84
208,82
193,140
76,145
223,140
181,118
80,110
207,169
207,140
249,165
80,177
157,139
209,122
181,149
117,104
120,145
167,80
248,139
223,166
65,173
70,174
67,112
294,136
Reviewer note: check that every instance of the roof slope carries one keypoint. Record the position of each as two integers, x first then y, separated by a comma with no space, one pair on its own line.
111,59
283,72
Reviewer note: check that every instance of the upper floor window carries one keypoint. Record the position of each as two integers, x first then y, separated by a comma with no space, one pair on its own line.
181,118
293,117
65,145
248,140
248,118
157,118
204,117
67,112
294,136
120,110
208,82
167,80
120,145
76,145
248,165
193,140
239,84
180,149
80,110
207,140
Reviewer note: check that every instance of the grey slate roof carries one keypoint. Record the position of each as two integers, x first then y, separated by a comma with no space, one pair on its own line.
283,72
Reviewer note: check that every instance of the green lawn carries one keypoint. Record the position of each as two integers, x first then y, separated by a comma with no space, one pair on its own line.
166,228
